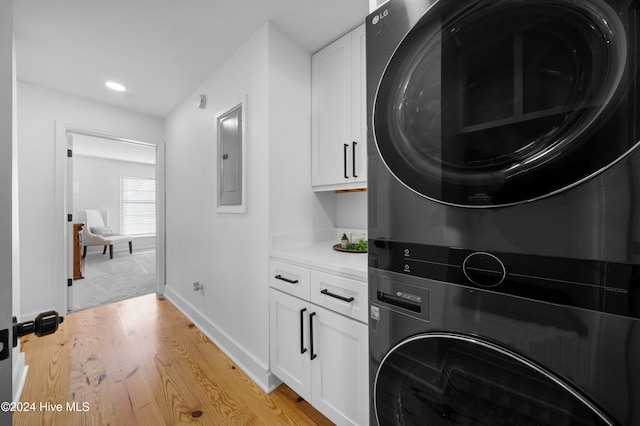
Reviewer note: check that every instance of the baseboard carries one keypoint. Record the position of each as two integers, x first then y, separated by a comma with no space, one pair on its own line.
20,370
256,370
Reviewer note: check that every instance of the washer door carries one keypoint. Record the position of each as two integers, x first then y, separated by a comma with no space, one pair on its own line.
493,103
444,379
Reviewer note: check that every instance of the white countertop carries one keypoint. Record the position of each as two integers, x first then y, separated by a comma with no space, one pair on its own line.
321,256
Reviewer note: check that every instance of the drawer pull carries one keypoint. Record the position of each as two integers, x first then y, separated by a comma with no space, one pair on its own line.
337,296
280,277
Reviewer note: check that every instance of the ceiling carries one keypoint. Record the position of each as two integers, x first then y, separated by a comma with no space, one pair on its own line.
160,49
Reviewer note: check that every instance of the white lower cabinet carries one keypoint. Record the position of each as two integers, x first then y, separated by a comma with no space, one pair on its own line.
289,342
339,373
322,355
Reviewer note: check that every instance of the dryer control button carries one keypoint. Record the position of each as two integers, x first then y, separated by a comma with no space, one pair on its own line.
484,269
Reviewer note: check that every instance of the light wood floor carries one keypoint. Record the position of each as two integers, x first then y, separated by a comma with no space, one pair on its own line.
141,362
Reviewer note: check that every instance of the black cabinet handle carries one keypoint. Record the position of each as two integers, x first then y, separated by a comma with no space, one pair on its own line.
337,296
353,157
311,354
302,348
280,277
344,154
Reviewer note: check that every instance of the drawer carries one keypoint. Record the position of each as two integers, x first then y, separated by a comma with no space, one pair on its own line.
343,295
289,278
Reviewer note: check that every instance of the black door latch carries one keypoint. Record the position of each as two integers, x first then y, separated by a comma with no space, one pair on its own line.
45,323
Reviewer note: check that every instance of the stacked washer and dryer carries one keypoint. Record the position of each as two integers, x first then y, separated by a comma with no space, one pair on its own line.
504,212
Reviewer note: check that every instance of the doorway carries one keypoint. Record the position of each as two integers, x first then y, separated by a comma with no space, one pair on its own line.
68,200
118,179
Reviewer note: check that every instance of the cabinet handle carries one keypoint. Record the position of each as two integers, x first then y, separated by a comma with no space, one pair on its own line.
311,354
337,296
353,157
302,348
344,154
280,277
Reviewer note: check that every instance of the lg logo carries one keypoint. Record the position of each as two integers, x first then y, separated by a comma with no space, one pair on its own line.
380,16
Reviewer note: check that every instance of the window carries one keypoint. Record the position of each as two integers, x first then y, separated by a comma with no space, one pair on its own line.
137,205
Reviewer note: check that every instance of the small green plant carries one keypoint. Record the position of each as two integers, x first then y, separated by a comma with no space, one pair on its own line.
360,246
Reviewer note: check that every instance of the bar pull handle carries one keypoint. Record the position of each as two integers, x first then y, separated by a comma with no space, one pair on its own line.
344,154
400,302
353,158
280,277
337,296
302,348
312,354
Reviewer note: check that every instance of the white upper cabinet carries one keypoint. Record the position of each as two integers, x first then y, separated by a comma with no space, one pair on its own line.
339,128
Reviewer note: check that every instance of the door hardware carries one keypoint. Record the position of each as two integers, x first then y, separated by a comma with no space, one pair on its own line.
45,323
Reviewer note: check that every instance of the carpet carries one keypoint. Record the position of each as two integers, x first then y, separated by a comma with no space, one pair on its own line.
110,280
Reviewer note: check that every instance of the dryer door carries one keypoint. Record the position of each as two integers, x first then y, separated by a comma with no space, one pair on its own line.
444,379
493,103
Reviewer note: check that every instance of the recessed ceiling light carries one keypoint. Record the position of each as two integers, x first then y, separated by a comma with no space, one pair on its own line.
115,86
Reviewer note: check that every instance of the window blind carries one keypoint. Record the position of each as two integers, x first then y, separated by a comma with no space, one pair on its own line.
137,205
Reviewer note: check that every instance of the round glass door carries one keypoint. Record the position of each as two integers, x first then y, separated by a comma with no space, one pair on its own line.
490,103
449,379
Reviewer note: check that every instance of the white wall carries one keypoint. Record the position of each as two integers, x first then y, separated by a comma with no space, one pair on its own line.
225,252
98,184
229,253
351,210
293,206
290,153
38,111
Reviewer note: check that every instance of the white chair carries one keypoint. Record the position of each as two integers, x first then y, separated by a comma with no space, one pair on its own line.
97,232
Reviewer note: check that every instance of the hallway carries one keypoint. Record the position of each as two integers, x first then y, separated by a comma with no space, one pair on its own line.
141,362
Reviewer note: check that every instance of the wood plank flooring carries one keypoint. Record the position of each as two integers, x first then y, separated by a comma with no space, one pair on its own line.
141,362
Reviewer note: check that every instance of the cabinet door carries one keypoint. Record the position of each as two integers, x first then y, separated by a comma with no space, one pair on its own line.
340,375
289,342
359,104
331,113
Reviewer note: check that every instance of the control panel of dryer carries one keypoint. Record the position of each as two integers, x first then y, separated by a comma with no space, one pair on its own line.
600,286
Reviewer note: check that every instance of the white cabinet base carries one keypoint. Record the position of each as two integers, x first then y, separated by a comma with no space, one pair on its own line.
339,373
322,356
286,326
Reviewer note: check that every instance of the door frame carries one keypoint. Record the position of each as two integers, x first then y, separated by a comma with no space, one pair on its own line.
9,242
63,190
